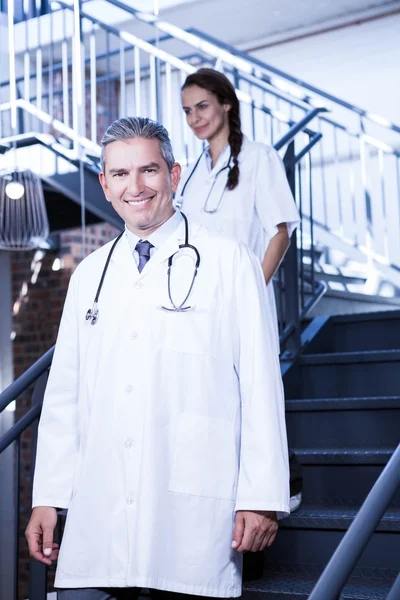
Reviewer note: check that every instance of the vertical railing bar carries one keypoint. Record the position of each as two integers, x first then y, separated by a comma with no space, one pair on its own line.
271,141
51,63
184,128
383,198
309,164
108,82
253,121
398,187
122,69
65,75
17,519
39,61
93,87
337,177
168,87
27,68
368,206
352,189
300,204
153,88
323,179
136,58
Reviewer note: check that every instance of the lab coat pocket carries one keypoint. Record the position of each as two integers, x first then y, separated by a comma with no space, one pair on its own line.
205,461
195,331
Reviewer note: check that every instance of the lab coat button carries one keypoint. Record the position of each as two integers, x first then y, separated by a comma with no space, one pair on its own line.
139,284
134,335
129,389
129,443
130,500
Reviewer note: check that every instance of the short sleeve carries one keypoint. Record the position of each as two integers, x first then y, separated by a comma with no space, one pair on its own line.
274,202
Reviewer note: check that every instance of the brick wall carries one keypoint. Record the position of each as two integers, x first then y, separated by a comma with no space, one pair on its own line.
39,285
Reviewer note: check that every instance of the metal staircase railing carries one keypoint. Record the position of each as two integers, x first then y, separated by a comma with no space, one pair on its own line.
354,542
355,168
357,174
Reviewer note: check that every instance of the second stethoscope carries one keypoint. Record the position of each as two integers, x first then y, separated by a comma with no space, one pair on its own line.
227,167
92,314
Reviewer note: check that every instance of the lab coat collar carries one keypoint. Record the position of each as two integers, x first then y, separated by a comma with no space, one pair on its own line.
223,157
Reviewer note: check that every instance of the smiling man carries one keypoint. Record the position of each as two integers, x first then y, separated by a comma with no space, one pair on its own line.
162,430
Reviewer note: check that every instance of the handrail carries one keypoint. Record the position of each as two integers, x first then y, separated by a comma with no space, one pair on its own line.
240,59
343,561
19,427
299,126
394,593
262,65
21,384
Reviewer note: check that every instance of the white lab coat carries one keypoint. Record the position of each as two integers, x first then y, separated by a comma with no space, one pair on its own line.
158,426
249,213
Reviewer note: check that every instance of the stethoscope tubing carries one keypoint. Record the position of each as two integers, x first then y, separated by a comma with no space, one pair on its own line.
182,198
93,313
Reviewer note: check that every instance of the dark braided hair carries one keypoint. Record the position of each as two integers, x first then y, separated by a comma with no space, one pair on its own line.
219,85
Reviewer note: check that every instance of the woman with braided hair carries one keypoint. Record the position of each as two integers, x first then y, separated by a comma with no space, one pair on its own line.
238,187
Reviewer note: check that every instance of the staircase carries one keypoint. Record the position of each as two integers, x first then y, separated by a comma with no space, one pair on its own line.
343,395
343,420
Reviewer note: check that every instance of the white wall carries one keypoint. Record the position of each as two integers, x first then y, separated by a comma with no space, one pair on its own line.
359,63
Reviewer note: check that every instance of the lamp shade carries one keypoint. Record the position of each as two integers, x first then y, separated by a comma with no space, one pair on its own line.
23,218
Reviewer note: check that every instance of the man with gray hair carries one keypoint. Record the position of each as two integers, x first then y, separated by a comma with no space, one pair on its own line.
163,429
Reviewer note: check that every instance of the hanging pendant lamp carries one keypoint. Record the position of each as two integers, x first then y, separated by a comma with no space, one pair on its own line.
23,217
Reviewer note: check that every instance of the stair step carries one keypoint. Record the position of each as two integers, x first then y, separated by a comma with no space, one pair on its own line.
345,456
332,485
296,583
333,423
366,356
328,404
346,374
358,332
336,517
314,546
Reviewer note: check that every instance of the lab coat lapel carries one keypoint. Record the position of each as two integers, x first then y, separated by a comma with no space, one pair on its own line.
122,255
169,247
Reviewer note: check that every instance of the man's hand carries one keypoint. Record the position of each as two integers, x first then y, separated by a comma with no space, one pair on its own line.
254,530
39,534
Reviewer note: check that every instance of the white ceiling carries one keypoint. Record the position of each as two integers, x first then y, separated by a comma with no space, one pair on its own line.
241,21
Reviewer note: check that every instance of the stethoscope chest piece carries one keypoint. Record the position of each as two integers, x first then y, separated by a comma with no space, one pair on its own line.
92,314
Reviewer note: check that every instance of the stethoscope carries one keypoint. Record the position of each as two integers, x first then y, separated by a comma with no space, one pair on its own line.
92,314
180,202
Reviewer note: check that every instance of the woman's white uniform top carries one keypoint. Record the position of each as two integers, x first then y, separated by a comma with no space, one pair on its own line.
157,426
251,212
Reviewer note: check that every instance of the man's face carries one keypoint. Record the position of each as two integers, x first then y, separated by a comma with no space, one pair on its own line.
138,184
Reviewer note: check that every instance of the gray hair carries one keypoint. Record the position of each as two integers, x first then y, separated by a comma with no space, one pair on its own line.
129,128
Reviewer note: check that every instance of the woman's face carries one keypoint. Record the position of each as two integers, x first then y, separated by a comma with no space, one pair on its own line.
204,114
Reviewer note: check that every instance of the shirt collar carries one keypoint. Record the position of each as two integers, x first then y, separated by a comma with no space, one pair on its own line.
159,236
222,157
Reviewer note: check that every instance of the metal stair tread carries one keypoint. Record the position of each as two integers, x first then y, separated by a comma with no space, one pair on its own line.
353,456
367,317
300,580
351,403
359,356
336,517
